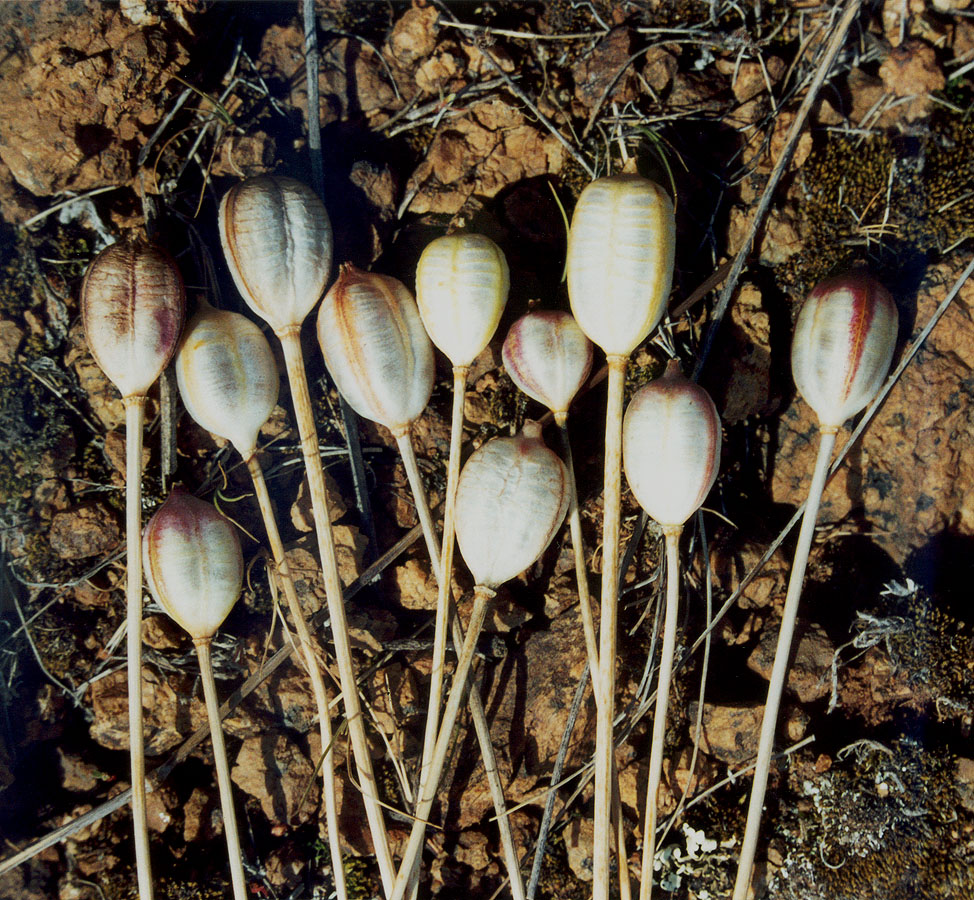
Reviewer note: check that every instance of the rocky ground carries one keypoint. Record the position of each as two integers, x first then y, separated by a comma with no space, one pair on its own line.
491,117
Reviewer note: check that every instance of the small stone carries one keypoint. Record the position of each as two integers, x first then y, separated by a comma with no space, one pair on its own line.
596,72
161,633
964,782
273,769
413,586
659,68
730,733
198,820
808,674
302,514
912,70
472,850
159,806
579,839
86,530
11,336
77,775
413,36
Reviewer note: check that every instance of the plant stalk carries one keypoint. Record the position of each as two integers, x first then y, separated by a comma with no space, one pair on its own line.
482,598
477,713
672,535
306,647
591,640
222,770
780,667
294,360
605,708
134,420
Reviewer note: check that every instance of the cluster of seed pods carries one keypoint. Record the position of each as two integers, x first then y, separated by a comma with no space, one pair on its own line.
506,504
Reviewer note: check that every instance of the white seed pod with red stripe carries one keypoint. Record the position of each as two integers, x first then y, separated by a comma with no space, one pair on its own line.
548,357
462,282
227,376
375,347
277,241
512,497
671,446
193,564
132,307
620,260
843,345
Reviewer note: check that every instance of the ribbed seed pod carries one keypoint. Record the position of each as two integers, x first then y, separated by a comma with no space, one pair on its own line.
193,563
462,282
277,240
549,357
671,446
843,345
620,260
132,306
511,500
227,376
375,347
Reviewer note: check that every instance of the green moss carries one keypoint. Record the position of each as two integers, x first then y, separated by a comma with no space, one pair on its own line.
361,878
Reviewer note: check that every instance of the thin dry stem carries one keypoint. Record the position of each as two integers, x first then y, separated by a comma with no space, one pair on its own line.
318,688
477,713
672,535
222,771
780,667
134,418
591,640
482,598
294,360
605,686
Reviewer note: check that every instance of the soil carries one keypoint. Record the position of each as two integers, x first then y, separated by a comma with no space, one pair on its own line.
119,118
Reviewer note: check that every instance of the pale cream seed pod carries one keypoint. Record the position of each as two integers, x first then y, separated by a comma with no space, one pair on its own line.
671,446
375,347
193,563
462,282
511,500
843,345
277,240
132,307
548,357
227,376
620,260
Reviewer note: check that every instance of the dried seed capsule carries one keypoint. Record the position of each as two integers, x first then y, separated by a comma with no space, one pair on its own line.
549,357
132,306
227,376
620,260
277,241
461,288
193,563
671,446
375,347
511,500
843,345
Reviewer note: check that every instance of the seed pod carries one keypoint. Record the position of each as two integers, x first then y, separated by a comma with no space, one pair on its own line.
227,376
549,357
193,563
671,446
843,345
511,500
375,347
620,260
132,306
461,288
277,241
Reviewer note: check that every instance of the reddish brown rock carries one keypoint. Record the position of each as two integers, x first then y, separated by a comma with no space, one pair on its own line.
811,662
273,769
596,72
87,530
912,70
730,733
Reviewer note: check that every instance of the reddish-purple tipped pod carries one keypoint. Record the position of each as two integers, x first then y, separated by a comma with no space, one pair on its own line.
227,376
843,345
375,347
549,357
277,240
193,563
132,306
511,500
671,446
